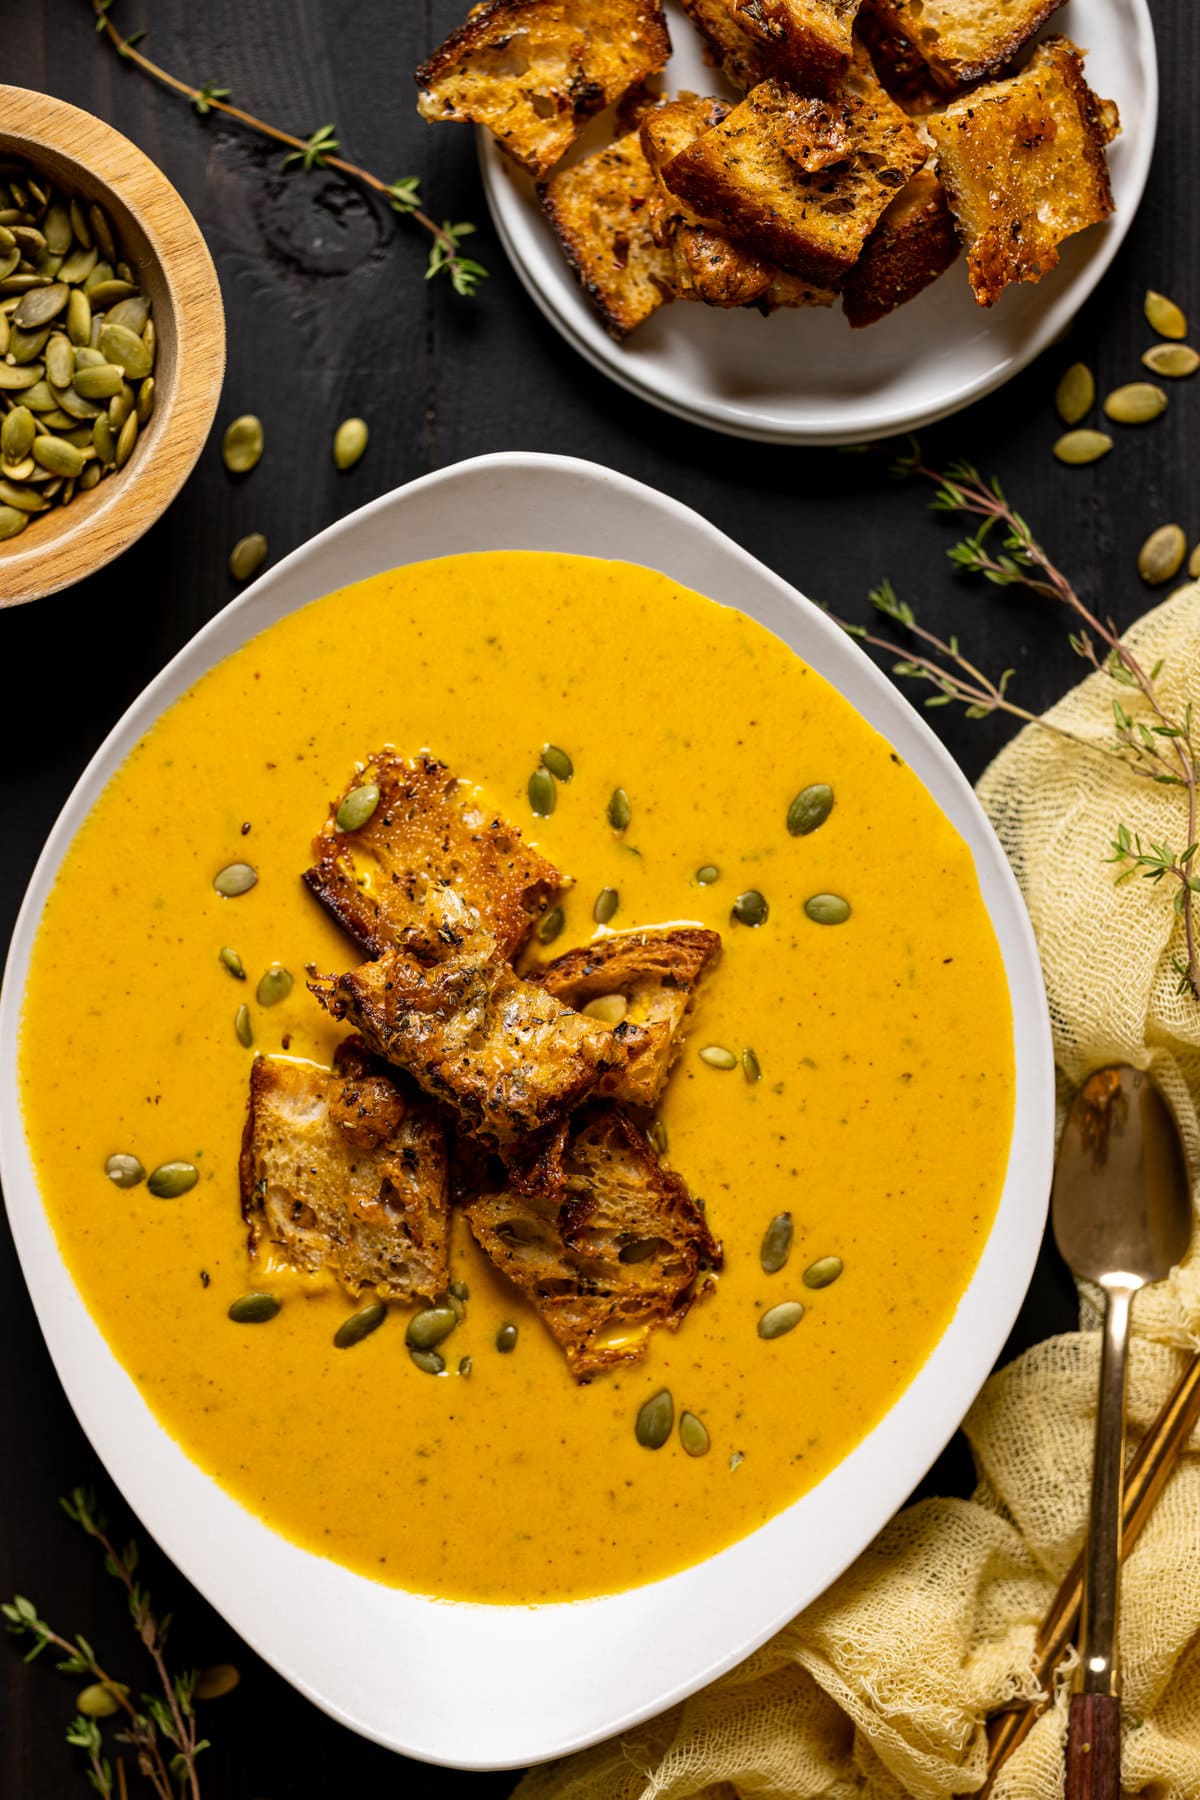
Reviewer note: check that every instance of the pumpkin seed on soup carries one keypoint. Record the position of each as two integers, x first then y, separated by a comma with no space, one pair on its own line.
427,1329
810,809
693,1434
550,925
620,810
506,1338
607,902
254,1309
358,806
777,1321
274,985
243,1027
706,874
359,1325
655,1420
171,1179
235,879
751,1068
750,908
823,1272
610,1009
430,1362
558,762
718,1057
541,793
123,1170
827,909
232,961
776,1244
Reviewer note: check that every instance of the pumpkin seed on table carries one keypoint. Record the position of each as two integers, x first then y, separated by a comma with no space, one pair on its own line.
274,985
1077,448
1194,563
693,1435
750,908
234,879
1136,403
1161,555
1164,316
242,445
810,809
172,1179
1075,394
655,1420
823,1272
506,1339
359,1325
427,1329
247,556
254,1309
123,1170
558,762
216,1681
777,1321
620,810
607,902
357,807
97,1701
1172,360
776,1244
542,797
827,909
349,442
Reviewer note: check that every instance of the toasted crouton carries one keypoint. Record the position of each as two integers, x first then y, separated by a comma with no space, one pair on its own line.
915,241
506,1056
899,65
963,40
742,59
430,832
1023,165
535,71
344,1171
801,181
604,1242
656,974
600,211
708,265
810,39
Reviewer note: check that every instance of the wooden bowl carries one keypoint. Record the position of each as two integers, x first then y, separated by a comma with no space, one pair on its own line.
162,242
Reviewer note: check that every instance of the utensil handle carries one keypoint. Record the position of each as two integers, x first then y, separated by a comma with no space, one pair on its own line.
1098,1665
1094,1748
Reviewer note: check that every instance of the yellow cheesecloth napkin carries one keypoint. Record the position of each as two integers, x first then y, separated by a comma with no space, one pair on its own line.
882,1687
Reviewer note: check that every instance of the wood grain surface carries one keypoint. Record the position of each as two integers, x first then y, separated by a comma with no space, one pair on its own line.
328,315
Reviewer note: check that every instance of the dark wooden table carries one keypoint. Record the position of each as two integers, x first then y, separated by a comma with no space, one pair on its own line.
328,315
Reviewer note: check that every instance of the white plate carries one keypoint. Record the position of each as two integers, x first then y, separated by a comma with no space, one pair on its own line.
496,1686
803,377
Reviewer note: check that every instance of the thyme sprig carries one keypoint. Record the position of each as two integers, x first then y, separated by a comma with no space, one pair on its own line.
159,1728
1157,746
320,150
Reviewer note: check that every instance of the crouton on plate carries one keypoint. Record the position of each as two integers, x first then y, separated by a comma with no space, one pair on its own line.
800,180
1023,165
429,832
915,241
744,60
344,1171
809,39
535,71
655,973
504,1054
600,211
963,40
604,1241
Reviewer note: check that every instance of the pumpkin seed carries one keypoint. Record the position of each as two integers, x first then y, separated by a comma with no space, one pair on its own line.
77,267
79,225
776,1244
248,554
619,810
104,441
1075,394
234,879
426,1330
171,1179
465,1365
1194,563
17,434
1161,554
57,228
254,1309
656,1131
1136,403
778,1320
550,925
736,1459
656,1417
751,1068
558,762
693,1435
359,1325
610,1009
541,793
275,985
60,361
216,1681
123,1170
14,379
126,440
41,305
243,1027
607,902
827,909
133,313
242,445
506,1339
97,1701
98,381
102,232
707,873
717,1057
1164,316
125,348
145,399
120,406
59,457
357,807
12,522
1172,360
349,442
459,1290
430,1362
750,908
1079,447
823,1272
108,294
232,961
810,809
27,499
79,317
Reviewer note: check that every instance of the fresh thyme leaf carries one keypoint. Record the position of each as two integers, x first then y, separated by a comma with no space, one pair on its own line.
316,149
205,97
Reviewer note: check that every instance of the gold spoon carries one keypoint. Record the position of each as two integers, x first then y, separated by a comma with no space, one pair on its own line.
1122,1213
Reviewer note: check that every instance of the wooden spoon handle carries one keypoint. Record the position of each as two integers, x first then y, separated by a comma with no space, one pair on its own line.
1094,1748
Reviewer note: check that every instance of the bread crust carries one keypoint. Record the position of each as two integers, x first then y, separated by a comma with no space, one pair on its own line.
605,1243
600,210
429,833
914,242
535,71
343,1171
742,59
